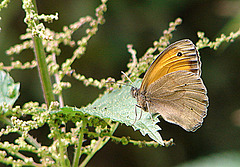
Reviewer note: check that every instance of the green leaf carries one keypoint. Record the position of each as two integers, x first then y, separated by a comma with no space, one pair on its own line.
119,106
9,91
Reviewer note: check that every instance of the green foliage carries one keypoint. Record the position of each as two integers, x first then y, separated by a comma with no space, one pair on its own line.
95,124
118,106
9,91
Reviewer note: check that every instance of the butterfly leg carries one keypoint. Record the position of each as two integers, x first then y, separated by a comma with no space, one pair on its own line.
149,110
135,120
140,113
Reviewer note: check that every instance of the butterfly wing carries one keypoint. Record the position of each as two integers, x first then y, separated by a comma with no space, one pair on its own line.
181,55
180,98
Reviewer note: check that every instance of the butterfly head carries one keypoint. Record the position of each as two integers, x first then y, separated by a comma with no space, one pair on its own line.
134,92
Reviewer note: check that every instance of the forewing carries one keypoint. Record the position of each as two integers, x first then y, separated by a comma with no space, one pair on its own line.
181,55
180,98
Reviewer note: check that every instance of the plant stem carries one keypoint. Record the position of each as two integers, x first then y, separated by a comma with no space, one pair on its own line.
99,144
42,67
43,70
57,79
24,157
61,150
29,138
77,154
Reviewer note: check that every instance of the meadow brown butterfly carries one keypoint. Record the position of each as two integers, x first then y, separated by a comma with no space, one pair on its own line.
172,87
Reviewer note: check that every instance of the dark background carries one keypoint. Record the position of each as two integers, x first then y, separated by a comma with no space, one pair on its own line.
140,22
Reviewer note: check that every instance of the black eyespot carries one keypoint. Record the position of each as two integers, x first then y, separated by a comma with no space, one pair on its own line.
179,54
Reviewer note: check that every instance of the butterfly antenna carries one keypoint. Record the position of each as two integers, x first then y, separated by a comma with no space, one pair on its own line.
127,77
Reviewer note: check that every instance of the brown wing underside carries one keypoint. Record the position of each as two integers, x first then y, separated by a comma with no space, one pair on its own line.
181,55
180,98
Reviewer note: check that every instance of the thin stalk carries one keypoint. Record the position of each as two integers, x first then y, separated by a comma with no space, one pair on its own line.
77,154
57,79
99,144
29,138
24,157
61,150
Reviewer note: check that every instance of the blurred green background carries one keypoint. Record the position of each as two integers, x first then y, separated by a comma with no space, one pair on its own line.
140,22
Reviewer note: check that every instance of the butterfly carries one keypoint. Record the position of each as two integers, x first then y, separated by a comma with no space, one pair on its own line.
173,88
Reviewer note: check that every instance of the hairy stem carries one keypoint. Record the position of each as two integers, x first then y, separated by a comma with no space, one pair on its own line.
61,150
43,70
99,144
42,67
57,79
77,154
29,138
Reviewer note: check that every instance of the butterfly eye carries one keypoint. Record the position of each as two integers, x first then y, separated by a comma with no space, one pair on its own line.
179,54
